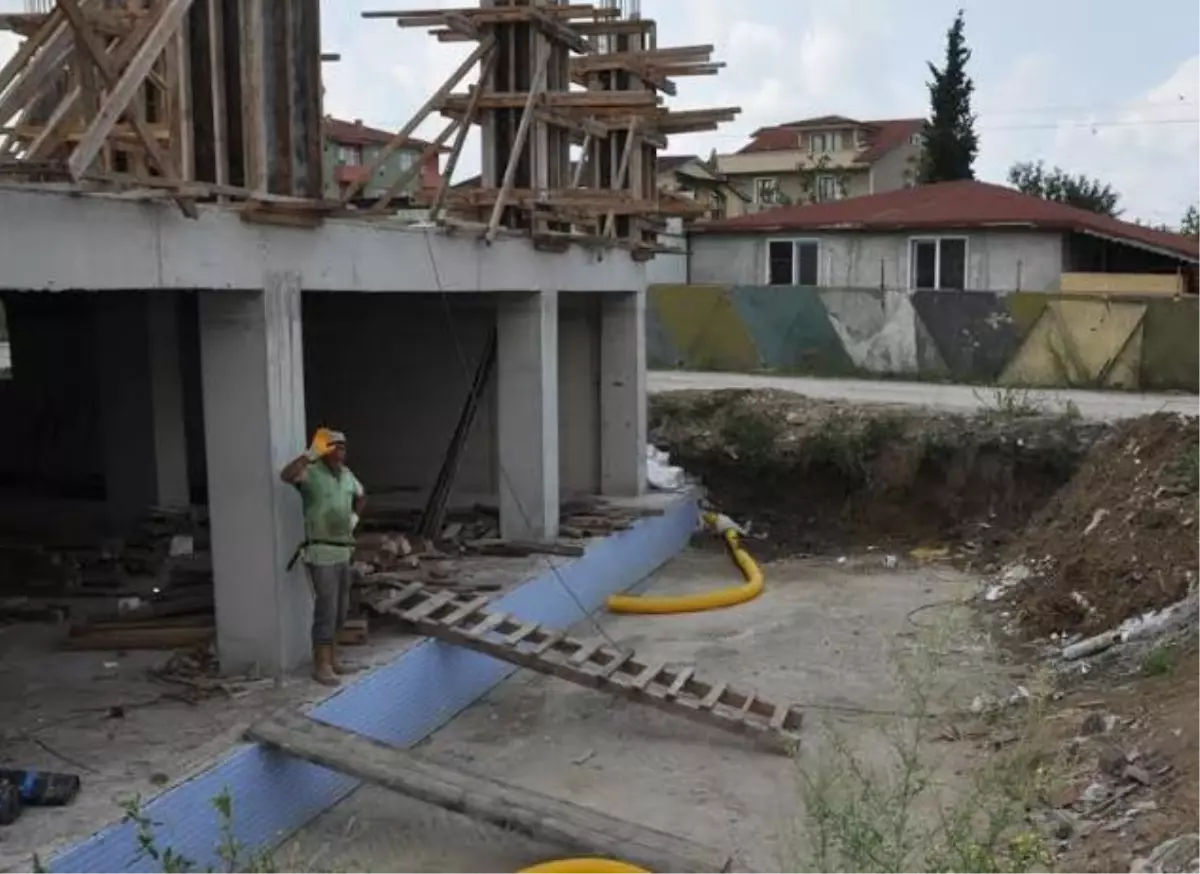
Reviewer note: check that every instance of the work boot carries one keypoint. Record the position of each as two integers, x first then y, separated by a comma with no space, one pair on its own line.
323,665
342,668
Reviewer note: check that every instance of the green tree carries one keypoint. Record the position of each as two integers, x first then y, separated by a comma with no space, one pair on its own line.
1060,186
949,135
810,175
1190,224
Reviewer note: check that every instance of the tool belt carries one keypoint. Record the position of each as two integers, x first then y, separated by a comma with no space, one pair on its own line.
316,542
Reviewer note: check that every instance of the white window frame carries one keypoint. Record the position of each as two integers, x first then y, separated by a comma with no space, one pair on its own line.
794,241
774,180
916,139
835,192
826,144
937,261
350,156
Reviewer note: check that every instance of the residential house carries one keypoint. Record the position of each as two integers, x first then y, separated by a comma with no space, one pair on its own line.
350,149
692,177
821,159
964,235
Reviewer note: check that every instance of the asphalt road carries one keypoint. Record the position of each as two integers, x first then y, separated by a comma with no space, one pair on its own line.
1091,404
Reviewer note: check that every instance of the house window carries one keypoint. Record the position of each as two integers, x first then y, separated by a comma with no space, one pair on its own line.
819,144
792,262
938,263
351,155
916,139
766,190
828,187
716,205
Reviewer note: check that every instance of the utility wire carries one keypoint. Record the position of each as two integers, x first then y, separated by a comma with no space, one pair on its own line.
505,480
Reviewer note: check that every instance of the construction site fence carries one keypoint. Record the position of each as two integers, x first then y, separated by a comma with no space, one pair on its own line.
1026,339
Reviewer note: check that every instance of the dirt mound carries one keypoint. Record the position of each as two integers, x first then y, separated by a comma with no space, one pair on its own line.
816,476
1121,537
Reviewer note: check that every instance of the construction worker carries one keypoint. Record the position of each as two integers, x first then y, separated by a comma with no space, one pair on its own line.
333,500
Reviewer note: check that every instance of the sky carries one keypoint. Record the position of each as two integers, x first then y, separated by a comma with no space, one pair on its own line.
1108,88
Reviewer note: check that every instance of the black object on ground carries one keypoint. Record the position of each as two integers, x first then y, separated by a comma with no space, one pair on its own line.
42,788
10,803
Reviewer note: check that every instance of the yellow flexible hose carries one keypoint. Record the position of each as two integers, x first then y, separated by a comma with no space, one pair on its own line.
584,866
661,604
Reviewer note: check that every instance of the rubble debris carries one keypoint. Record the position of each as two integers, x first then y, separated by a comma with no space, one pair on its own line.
1134,499
1174,855
197,670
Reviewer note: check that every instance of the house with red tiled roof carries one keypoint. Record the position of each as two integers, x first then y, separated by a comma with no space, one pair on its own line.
692,177
830,157
966,236
351,147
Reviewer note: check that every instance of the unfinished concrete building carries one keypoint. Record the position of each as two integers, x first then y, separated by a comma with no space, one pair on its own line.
183,307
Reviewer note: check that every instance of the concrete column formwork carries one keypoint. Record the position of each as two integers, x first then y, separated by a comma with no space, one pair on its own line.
252,377
527,415
623,393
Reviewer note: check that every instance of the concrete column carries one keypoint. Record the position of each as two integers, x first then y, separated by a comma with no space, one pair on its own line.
252,377
623,393
140,396
166,390
527,415
579,394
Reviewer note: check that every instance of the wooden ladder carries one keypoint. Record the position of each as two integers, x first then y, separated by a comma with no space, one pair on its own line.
592,663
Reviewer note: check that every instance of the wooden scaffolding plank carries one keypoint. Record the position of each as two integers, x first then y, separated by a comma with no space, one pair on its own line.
587,663
576,828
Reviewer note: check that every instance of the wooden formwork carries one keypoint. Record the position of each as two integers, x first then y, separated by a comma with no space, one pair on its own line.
553,75
192,99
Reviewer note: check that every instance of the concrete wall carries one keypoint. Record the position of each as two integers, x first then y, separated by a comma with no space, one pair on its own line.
996,260
393,372
1021,338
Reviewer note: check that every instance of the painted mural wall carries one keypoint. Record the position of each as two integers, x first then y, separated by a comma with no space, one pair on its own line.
1019,338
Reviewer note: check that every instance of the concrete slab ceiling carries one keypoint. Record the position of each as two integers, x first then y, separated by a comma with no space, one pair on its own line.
51,241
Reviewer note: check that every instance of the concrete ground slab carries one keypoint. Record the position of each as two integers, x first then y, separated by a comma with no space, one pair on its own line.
959,398
59,706
822,635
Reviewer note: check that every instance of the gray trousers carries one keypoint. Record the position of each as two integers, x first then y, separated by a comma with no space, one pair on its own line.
331,600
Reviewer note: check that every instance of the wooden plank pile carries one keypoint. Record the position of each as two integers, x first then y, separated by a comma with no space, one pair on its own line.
152,589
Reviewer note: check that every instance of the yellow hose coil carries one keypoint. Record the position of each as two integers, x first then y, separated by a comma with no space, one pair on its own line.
584,866
662,604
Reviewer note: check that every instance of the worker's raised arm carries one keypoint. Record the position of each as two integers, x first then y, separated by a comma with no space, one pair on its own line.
296,469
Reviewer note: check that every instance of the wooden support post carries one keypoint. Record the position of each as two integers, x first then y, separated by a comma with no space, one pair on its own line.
577,829
408,175
535,90
622,170
439,200
405,132
123,87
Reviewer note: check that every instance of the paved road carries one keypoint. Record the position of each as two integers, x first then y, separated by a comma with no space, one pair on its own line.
1092,404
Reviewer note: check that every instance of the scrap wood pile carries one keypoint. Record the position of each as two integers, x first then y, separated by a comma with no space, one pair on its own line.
150,589
389,556
1120,539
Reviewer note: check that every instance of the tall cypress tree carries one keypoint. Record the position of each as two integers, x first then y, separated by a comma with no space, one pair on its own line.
949,135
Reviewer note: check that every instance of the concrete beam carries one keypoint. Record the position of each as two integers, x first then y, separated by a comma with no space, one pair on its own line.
54,242
623,394
253,385
527,414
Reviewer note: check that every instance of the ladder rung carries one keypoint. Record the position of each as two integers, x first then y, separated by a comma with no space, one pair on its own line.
521,633
552,639
472,606
779,716
488,624
585,652
429,607
615,665
404,594
682,677
750,699
645,677
714,695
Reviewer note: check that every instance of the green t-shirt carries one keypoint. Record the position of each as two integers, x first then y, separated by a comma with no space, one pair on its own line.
329,513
